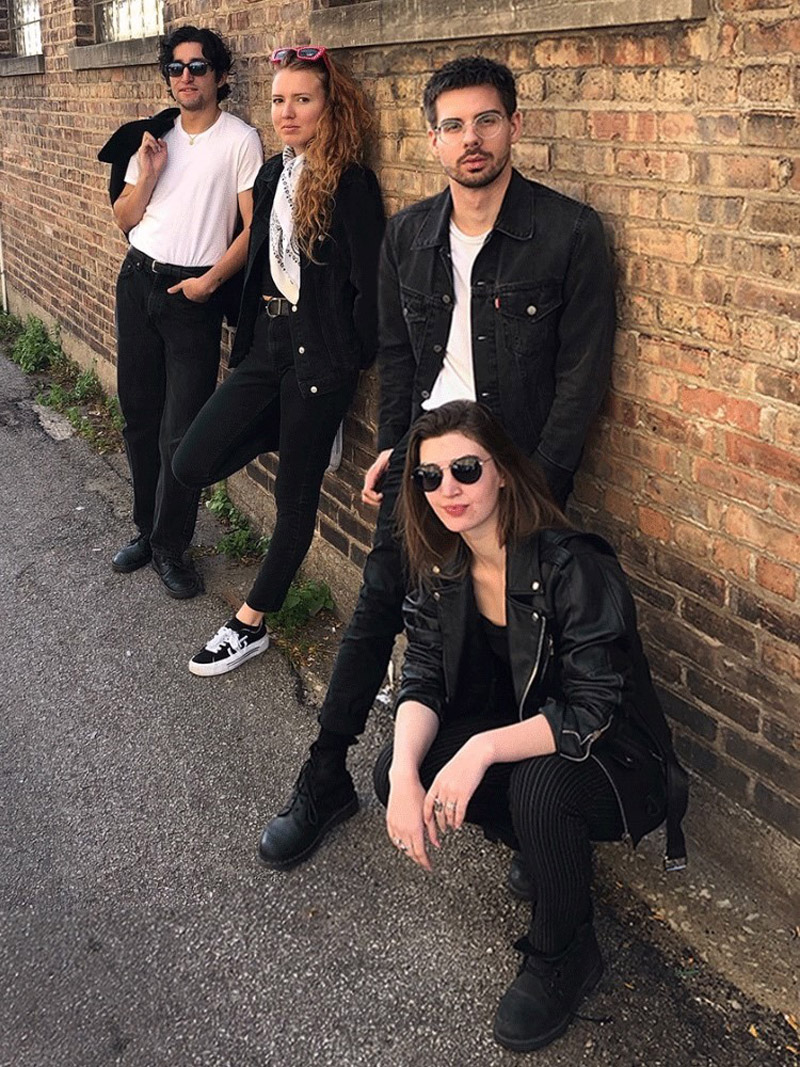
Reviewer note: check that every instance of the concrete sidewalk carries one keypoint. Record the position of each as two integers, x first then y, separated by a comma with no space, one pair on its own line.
136,926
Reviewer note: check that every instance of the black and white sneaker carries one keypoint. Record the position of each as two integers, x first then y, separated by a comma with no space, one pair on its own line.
230,646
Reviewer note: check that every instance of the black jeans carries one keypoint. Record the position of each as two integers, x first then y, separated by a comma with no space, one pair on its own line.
367,644
549,807
259,408
167,360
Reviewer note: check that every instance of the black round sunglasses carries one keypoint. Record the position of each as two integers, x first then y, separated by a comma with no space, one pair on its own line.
466,470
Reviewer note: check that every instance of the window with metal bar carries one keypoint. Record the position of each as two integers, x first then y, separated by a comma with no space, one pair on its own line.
25,17
122,20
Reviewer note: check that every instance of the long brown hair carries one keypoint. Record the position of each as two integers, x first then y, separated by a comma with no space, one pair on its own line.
525,504
343,136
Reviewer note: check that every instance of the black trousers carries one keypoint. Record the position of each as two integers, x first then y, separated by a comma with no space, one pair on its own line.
260,408
167,360
549,807
367,644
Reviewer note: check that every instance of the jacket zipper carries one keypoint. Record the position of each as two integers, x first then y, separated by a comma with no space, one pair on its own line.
524,697
627,834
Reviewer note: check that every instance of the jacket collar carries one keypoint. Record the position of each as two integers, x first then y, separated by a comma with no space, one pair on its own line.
516,217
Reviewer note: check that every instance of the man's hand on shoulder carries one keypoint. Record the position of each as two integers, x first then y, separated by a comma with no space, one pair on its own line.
152,157
373,477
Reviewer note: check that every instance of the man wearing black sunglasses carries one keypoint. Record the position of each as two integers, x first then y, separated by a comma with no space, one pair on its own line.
497,290
185,185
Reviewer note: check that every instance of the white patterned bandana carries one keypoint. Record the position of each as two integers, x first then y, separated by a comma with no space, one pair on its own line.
284,251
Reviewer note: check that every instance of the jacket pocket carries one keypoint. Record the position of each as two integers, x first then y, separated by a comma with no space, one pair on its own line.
529,318
417,316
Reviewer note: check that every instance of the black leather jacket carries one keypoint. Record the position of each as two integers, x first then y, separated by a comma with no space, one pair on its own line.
576,658
542,320
334,327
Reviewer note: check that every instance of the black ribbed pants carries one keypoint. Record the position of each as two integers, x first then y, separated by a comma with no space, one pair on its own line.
549,807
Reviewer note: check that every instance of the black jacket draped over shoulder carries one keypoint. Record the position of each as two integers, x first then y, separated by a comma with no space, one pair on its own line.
576,658
334,326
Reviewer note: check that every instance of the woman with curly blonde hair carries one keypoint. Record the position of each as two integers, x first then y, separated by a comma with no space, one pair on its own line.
307,325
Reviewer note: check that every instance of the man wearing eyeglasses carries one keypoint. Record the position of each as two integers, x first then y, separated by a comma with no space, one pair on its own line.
183,192
497,290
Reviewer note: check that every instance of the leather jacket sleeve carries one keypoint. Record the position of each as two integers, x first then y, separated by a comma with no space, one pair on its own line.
423,666
396,361
583,360
594,673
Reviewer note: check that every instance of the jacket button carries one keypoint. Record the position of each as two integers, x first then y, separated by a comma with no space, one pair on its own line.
425,394
436,596
294,307
482,337
436,568
313,389
536,587
532,309
301,350
437,349
485,396
445,299
535,616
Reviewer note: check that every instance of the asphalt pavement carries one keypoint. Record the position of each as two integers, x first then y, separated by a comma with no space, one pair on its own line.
136,925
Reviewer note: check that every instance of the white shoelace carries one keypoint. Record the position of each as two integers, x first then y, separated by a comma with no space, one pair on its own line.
225,636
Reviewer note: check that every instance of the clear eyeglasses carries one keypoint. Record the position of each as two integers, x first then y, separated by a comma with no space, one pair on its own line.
485,127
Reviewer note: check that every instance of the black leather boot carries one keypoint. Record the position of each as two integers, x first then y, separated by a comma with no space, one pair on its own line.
540,1003
137,553
323,796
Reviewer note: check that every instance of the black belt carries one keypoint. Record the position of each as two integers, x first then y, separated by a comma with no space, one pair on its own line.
169,269
277,305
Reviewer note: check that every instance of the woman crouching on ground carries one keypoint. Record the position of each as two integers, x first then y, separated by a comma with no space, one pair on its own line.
307,325
526,703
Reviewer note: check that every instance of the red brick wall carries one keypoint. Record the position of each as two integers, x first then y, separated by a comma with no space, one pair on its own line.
687,141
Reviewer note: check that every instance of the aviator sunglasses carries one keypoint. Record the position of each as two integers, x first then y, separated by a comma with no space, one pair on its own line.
309,52
196,67
466,470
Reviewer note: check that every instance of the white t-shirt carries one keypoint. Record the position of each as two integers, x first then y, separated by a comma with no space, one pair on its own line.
456,379
190,217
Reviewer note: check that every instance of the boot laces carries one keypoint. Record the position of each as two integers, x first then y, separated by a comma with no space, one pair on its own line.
551,973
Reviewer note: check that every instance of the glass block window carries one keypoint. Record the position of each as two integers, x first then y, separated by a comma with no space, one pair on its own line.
122,20
26,27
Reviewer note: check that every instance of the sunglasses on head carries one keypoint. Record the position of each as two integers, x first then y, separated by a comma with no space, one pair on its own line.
466,470
309,52
196,67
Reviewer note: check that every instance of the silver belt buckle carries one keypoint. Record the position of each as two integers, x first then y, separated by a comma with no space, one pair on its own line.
268,307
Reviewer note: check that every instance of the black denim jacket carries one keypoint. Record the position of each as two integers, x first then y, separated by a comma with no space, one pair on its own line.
576,658
542,320
334,327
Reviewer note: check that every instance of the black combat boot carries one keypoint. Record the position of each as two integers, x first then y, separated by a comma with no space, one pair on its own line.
323,796
540,1003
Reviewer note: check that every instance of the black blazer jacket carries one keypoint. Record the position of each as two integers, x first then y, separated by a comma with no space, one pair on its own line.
334,327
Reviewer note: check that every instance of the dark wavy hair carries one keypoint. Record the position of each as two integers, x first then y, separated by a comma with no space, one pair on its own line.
525,502
464,73
212,46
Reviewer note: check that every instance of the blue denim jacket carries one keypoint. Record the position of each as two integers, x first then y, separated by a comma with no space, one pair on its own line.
334,328
542,320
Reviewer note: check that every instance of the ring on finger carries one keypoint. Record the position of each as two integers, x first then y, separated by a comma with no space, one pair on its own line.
438,805
400,844
451,805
